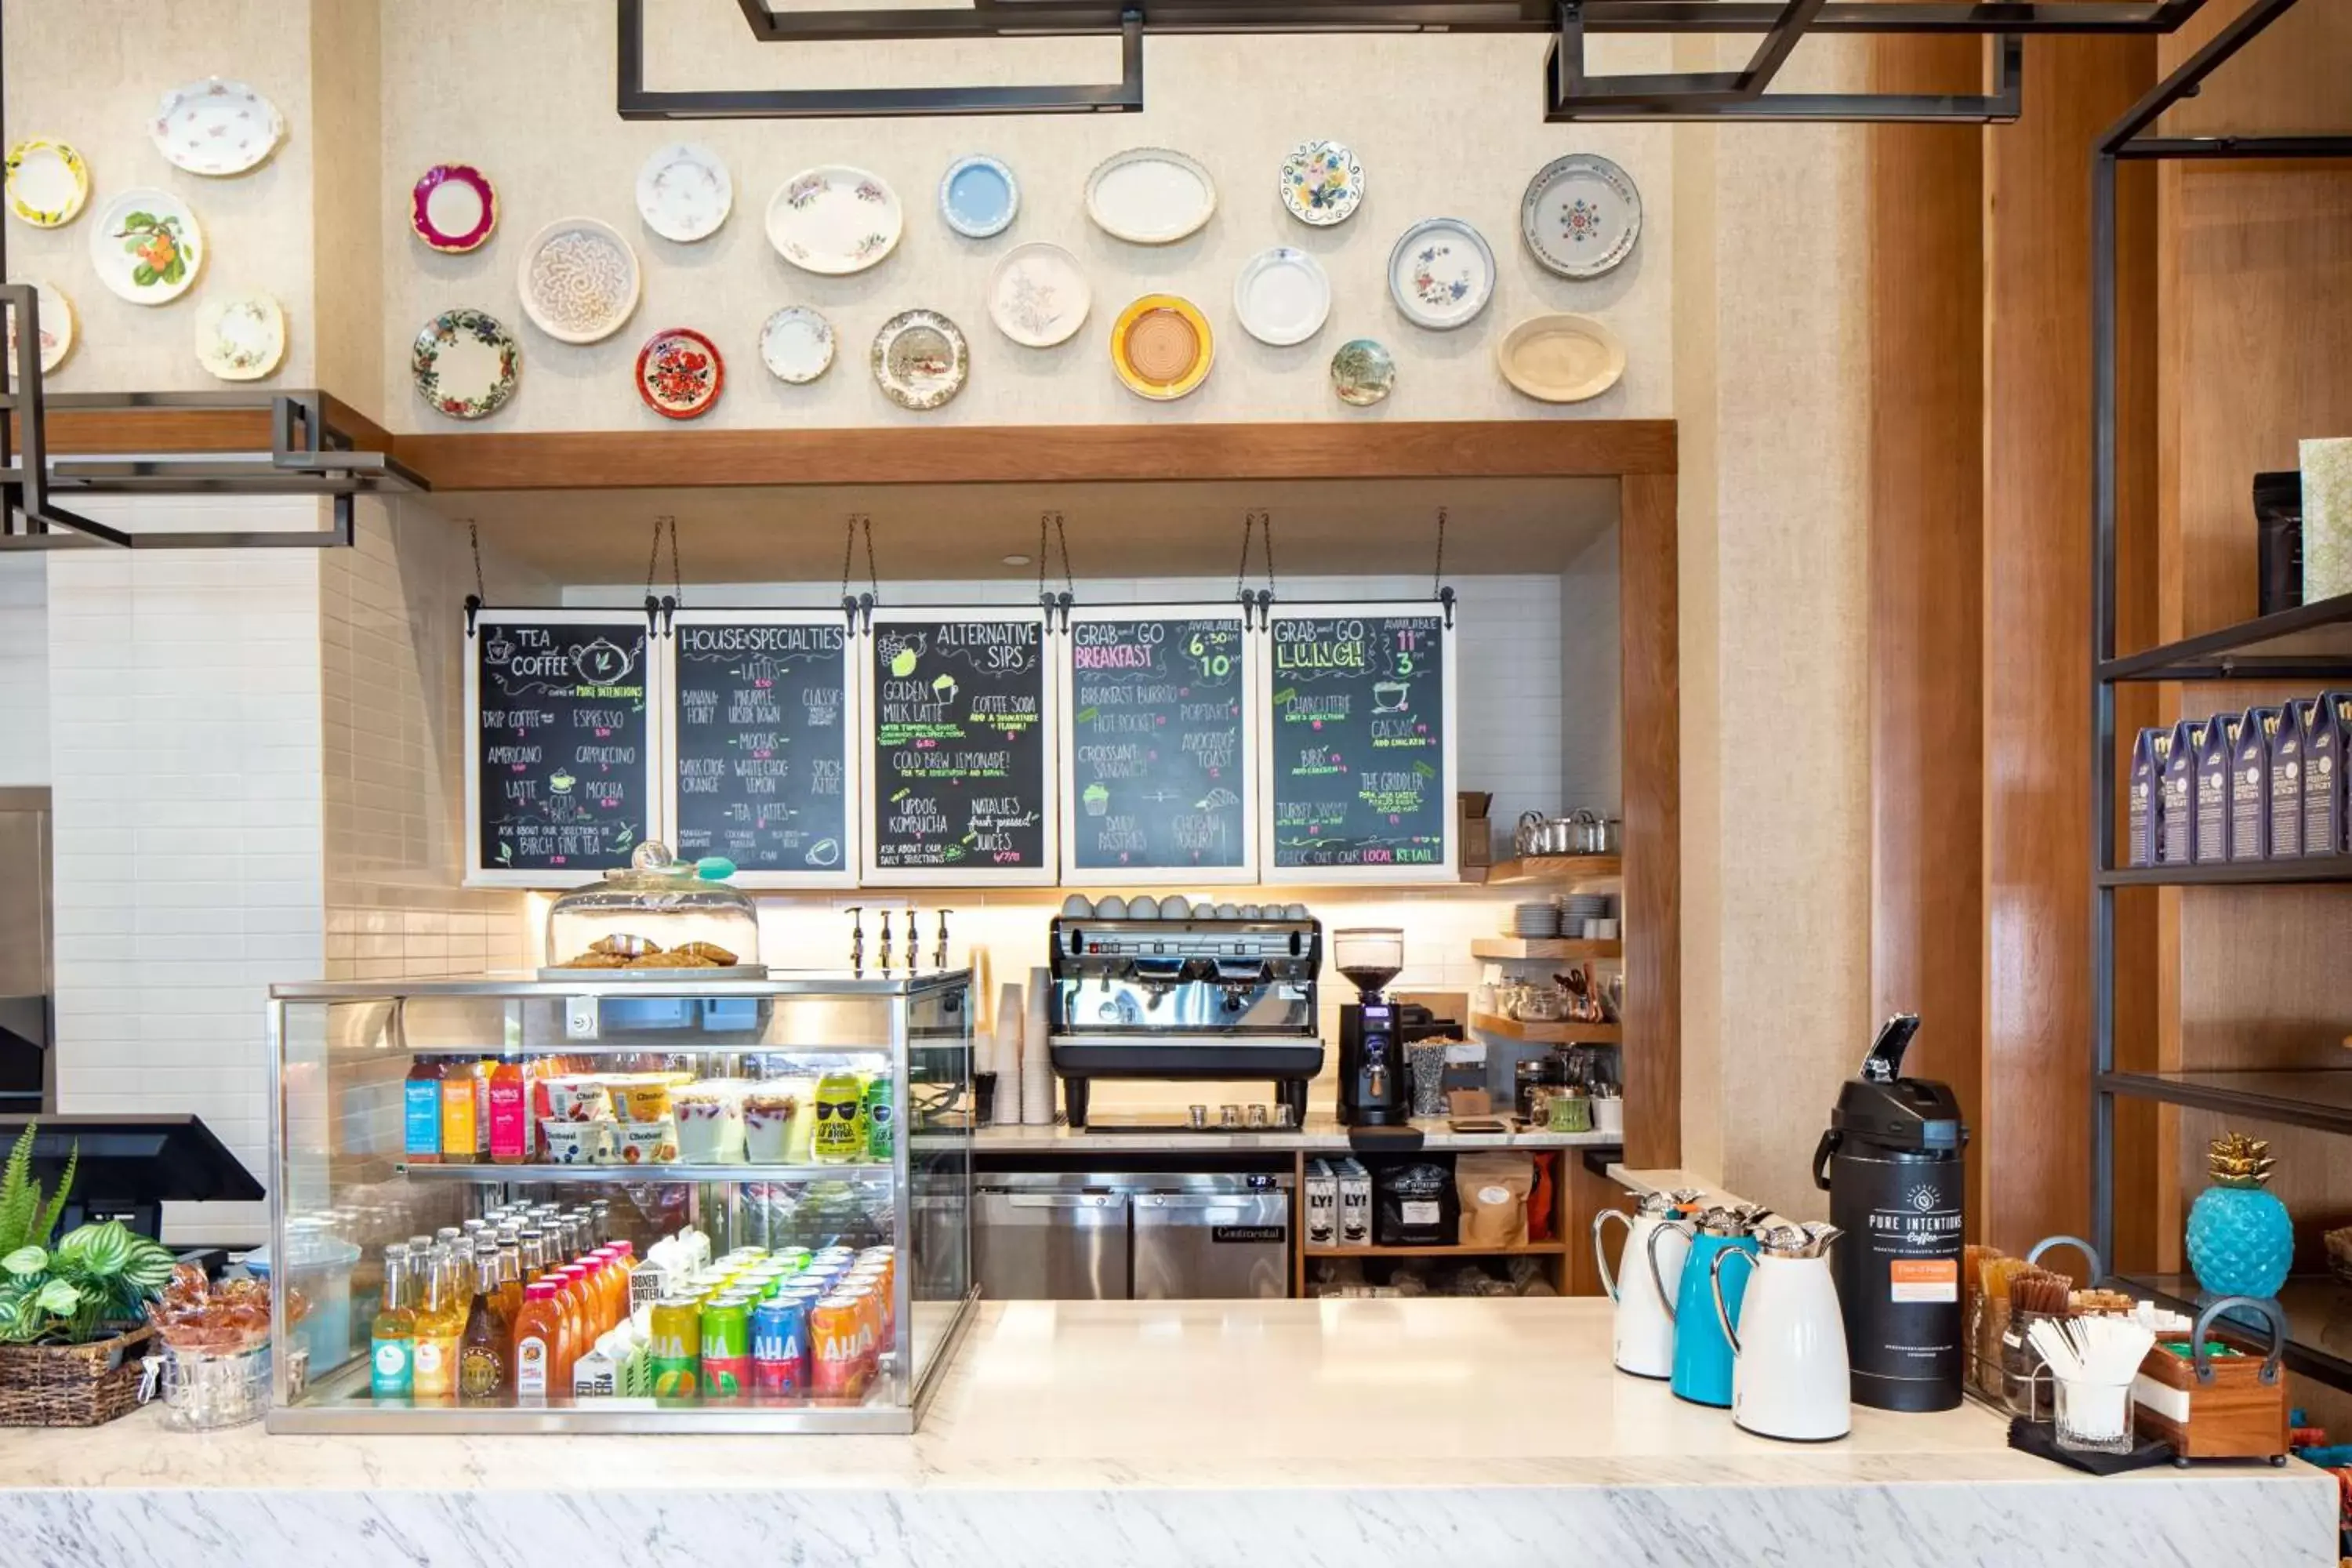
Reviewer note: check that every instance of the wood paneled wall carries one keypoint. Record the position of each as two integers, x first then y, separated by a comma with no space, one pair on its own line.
1648,632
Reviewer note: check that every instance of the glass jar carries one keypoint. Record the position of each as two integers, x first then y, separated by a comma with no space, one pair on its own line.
660,914
2094,1418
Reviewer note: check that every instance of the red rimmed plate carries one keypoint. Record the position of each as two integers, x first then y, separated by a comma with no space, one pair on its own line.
454,208
680,373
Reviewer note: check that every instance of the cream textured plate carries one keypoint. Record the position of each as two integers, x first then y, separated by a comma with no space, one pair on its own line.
1281,296
1322,183
919,359
57,329
833,220
684,193
215,127
1581,216
1150,196
1561,358
1441,273
241,337
579,280
47,181
147,247
796,345
1037,296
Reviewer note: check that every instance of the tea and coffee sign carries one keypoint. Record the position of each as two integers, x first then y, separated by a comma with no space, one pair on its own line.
1361,737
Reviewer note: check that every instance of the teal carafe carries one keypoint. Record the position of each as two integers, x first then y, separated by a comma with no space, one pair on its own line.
1703,1357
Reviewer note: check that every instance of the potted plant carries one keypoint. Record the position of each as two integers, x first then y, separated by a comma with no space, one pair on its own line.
69,1305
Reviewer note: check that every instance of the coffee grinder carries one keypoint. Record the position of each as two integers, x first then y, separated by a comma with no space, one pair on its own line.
1375,1090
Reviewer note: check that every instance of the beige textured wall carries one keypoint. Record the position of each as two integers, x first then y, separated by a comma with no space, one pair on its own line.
92,73
349,199
1443,125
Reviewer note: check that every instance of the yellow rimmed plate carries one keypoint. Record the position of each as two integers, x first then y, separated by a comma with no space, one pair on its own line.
1162,347
47,181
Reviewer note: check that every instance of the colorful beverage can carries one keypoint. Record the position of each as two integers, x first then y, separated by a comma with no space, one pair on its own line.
780,1349
837,1349
674,1347
869,1309
885,1309
726,1349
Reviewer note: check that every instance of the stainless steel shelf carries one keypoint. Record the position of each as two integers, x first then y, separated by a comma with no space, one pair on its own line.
664,1043
646,1174
523,985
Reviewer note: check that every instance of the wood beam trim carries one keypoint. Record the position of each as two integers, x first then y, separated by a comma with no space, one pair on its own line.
1650,648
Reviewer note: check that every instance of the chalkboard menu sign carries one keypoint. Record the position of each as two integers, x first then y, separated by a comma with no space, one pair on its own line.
560,776
1362,742
1158,753
958,786
760,743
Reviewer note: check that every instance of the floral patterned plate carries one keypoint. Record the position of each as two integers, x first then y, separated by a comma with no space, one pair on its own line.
684,193
47,181
834,220
147,247
454,208
578,279
680,373
1037,296
1322,183
1560,358
465,364
215,127
1441,273
57,329
1162,347
1363,372
920,360
796,345
1581,216
242,337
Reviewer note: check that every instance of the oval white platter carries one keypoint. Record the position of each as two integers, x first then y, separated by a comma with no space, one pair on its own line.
1037,296
241,337
1281,296
1581,216
147,247
1441,273
57,328
796,345
684,192
834,220
1150,196
214,127
979,197
579,279
1560,358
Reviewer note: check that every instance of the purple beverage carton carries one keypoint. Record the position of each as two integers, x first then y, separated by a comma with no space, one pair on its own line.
2286,783
2250,787
2216,748
2143,792
2326,790
2176,819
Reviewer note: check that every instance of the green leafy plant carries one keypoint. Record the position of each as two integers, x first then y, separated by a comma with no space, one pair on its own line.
71,1292
25,1221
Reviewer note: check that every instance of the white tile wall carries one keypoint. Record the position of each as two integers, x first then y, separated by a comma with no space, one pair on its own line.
25,660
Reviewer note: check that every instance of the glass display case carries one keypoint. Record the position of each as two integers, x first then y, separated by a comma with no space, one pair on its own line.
610,1202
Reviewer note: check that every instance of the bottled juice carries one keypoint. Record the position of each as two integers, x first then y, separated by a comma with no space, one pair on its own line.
591,1293
392,1340
461,1117
510,1282
575,1315
533,1246
538,1345
510,1112
420,1121
485,1351
620,1274
440,1320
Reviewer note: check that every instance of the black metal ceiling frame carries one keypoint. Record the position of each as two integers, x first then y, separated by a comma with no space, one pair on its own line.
1571,93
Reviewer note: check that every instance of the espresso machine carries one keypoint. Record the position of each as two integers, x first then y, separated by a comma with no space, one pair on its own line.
1375,1089
1204,995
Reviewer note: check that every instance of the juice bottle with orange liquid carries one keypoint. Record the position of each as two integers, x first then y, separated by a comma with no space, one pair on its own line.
441,1307
574,1299
539,1367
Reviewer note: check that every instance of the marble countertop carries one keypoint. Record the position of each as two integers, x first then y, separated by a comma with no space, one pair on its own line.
1322,1134
1164,1435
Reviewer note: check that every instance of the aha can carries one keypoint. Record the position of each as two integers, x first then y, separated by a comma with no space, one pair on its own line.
726,1349
837,1349
780,1351
674,1347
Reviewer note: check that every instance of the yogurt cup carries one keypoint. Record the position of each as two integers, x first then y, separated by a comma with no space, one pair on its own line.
574,1142
648,1142
578,1099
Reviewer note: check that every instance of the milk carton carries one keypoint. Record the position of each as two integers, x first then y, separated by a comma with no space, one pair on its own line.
1322,1204
1355,1204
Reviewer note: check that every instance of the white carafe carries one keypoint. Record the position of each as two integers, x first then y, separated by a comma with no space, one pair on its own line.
1790,1377
1650,1270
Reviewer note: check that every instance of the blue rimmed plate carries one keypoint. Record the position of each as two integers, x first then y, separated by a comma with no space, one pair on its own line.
1441,273
978,196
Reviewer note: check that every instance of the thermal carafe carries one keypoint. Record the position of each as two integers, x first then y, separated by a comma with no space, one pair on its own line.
1644,1282
1893,1162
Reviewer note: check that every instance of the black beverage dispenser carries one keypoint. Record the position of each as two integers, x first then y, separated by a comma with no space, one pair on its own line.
1893,1163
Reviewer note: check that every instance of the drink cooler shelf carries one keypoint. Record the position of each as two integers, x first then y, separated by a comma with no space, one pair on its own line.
645,1174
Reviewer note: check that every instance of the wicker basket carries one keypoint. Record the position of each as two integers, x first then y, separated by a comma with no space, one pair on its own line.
2339,1251
70,1385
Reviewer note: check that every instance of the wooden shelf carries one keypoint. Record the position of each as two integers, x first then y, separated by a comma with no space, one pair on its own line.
1572,870
1519,947
1561,1034
1530,1250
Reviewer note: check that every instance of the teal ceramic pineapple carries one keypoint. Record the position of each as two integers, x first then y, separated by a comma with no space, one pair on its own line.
2240,1241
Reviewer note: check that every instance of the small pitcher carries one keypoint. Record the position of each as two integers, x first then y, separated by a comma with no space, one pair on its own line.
1790,1378
1702,1372
1645,1332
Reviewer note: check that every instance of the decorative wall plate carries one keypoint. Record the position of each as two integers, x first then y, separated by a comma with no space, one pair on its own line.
241,337
796,345
1441,273
834,220
684,192
1037,296
147,247
453,207
920,359
579,280
1150,196
465,364
1322,183
1162,347
1281,296
47,181
978,196
680,373
1560,358
215,127
57,328
1581,216
1362,371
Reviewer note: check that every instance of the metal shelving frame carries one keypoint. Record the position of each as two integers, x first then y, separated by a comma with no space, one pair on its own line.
2311,641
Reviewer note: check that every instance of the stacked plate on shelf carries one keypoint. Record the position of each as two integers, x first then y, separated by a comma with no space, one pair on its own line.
1535,921
1578,908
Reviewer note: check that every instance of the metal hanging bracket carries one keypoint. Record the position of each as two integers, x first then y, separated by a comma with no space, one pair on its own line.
1258,521
858,607
661,610
1055,603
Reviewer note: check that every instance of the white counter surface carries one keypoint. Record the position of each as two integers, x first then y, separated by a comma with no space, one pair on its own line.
1135,1435
1322,1135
